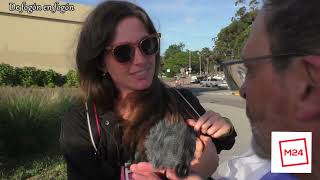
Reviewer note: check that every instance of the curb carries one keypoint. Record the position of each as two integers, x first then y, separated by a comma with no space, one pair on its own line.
236,93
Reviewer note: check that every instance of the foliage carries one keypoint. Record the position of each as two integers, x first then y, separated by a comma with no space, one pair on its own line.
175,58
230,40
227,45
173,49
30,118
52,79
7,75
36,168
72,79
29,130
30,76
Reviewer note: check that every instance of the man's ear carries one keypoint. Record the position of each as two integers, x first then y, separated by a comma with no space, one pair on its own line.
313,68
309,106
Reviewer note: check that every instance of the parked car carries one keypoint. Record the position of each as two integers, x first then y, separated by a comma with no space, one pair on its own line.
209,82
222,84
194,79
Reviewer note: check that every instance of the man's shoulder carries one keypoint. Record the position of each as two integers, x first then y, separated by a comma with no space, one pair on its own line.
247,166
278,176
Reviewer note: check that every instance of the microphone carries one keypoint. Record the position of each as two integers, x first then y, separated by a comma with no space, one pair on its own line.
171,145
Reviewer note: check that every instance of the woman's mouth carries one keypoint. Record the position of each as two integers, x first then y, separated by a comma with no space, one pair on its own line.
141,73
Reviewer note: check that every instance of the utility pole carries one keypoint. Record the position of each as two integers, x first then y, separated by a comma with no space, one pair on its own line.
208,65
200,62
189,63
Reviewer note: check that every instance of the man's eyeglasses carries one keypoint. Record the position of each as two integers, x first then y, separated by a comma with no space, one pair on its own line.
236,71
124,52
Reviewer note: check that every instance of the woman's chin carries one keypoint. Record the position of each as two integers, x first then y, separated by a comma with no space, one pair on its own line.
142,85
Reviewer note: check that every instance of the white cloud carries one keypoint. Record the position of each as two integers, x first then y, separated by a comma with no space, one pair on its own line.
189,19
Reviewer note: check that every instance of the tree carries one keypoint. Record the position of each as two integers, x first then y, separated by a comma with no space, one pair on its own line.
175,62
173,49
72,79
253,5
175,58
206,56
230,40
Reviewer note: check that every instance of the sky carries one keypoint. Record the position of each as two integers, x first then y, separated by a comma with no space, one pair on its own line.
192,22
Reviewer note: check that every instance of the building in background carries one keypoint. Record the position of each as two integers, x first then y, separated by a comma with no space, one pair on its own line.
46,38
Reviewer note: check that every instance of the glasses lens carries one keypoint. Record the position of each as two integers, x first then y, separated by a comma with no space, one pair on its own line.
123,53
150,45
235,75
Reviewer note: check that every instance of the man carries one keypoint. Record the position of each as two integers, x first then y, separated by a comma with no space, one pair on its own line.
282,84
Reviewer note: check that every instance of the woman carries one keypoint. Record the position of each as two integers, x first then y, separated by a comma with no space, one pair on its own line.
118,62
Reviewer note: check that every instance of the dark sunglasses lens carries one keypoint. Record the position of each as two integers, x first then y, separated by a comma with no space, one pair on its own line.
123,53
150,45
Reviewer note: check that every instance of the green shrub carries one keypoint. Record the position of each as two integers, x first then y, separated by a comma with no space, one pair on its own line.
52,78
30,76
30,118
72,79
30,127
7,75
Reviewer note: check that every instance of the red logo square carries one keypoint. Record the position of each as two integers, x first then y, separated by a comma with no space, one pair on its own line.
293,152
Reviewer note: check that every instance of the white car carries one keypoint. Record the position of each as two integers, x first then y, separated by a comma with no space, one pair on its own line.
222,84
210,82
194,79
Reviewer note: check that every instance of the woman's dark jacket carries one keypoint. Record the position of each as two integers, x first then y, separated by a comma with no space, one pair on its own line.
83,163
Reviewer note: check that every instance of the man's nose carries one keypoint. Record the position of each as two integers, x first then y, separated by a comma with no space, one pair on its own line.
243,90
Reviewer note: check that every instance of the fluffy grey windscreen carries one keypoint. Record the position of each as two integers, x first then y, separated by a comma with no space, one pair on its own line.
171,145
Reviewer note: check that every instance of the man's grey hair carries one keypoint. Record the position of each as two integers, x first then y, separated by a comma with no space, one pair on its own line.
293,27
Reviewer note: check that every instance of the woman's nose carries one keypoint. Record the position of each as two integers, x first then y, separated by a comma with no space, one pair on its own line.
139,57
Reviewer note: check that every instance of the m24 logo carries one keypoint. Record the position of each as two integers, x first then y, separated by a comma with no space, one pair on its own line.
293,152
289,152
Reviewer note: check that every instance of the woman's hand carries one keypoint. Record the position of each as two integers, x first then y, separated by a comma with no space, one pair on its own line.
145,170
204,164
212,124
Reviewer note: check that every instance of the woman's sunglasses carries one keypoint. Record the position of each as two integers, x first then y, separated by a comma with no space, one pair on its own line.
124,52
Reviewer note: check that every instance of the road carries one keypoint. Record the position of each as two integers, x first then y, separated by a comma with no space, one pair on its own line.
231,106
212,95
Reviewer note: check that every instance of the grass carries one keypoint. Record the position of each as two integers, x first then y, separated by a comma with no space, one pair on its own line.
29,129
36,168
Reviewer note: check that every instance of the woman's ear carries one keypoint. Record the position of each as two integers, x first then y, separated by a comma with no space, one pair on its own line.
102,67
